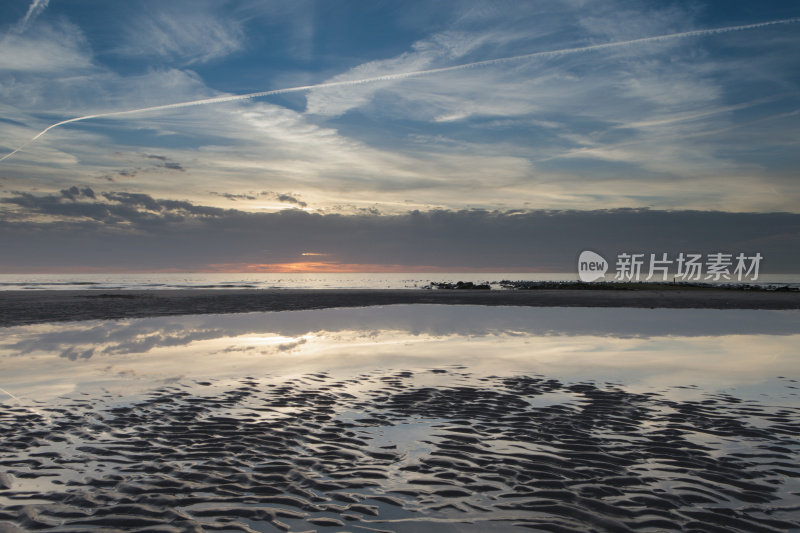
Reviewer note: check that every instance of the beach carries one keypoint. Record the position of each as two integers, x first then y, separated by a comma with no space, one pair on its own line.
356,410
30,307
410,267
379,452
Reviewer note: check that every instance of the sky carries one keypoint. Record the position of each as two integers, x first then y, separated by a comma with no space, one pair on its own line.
395,136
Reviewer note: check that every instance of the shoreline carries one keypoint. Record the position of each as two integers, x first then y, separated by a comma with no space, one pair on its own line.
36,307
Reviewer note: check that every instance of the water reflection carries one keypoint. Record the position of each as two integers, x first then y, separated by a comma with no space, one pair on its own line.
405,418
658,347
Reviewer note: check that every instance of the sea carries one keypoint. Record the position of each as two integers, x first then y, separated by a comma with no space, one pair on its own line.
416,280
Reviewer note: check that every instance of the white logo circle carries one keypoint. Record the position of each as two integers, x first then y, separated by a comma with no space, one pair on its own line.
591,266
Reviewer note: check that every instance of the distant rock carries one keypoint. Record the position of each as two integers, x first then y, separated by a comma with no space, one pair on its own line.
466,285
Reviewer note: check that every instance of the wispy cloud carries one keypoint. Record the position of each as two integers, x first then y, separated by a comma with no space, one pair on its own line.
267,146
182,33
576,106
34,10
268,195
359,78
49,49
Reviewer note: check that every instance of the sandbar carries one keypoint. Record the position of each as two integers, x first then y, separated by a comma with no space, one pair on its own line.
34,306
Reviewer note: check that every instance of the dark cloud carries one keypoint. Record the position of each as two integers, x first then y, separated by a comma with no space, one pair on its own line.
165,162
190,208
74,193
155,162
121,230
143,200
235,197
131,209
290,199
62,205
280,197
152,162
171,165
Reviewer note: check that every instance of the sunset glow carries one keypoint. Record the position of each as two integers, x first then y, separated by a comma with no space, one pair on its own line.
334,267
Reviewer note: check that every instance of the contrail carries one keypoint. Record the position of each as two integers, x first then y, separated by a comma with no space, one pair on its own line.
34,10
19,402
411,74
9,394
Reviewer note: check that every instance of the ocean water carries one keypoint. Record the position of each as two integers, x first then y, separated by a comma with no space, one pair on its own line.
413,280
261,281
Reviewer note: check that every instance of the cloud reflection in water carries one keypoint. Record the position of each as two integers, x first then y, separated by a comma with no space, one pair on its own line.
658,347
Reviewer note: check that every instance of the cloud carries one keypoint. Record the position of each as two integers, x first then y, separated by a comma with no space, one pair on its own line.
140,200
34,10
593,104
136,337
274,145
523,162
290,199
235,197
73,193
486,36
126,231
279,197
49,50
173,166
296,22
184,32
440,50
149,203
290,346
135,210
36,94
672,125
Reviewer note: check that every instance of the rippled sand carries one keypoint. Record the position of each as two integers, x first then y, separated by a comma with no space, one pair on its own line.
438,449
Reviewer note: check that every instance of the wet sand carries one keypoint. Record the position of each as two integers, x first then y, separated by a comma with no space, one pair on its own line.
31,307
437,448
409,451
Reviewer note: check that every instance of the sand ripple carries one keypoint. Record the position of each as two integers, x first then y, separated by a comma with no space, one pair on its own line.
401,451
